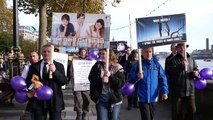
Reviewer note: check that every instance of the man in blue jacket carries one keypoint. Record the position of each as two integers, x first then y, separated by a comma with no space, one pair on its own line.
149,81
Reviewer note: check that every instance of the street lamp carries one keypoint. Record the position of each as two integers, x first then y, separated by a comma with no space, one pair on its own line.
15,57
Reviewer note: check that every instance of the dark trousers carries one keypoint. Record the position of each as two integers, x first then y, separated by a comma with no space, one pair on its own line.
147,110
81,102
173,100
186,108
133,98
42,115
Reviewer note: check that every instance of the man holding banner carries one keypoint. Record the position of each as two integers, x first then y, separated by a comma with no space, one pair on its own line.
184,71
81,87
149,80
40,108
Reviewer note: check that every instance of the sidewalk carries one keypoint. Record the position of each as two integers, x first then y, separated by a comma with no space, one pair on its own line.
14,112
69,113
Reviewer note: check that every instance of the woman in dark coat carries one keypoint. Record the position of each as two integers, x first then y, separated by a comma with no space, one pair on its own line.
105,86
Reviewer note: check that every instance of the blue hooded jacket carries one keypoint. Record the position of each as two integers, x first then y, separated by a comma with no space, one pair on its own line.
153,78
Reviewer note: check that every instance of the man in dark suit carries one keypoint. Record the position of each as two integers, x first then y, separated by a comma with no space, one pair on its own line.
125,57
172,96
54,106
81,98
168,58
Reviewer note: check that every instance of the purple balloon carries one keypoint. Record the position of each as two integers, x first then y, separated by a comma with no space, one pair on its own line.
93,54
128,89
21,97
200,83
18,83
44,93
206,73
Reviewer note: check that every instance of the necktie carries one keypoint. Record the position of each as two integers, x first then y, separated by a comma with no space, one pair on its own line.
44,73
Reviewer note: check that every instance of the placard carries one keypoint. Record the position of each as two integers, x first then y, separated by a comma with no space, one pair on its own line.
81,72
161,30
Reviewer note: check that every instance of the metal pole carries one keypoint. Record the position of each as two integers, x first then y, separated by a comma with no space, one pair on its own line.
15,57
130,32
15,25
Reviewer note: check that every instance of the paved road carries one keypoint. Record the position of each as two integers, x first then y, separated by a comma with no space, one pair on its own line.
14,112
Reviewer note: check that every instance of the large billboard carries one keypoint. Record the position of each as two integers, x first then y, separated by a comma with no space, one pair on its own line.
161,30
80,30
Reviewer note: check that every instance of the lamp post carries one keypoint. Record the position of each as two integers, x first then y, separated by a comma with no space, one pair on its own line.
15,57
